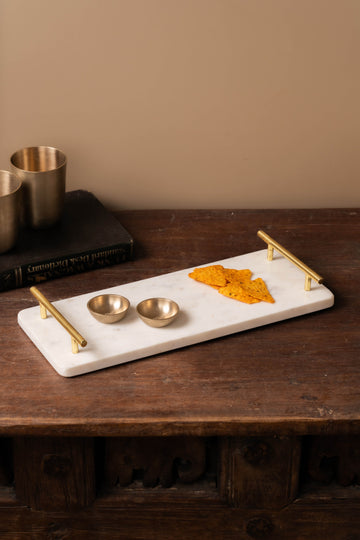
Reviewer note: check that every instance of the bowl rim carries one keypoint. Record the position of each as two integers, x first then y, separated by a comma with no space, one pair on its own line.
166,317
124,307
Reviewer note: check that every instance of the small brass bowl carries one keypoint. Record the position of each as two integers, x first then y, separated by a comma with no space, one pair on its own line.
108,308
157,312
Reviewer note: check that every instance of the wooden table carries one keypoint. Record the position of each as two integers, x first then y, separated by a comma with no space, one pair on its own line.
254,435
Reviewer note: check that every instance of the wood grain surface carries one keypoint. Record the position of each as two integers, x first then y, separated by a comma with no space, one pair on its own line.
297,377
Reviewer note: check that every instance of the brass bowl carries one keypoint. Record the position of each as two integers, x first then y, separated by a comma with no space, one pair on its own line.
157,312
108,308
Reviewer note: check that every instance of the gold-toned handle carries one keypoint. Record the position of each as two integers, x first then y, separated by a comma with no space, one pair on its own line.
45,305
309,274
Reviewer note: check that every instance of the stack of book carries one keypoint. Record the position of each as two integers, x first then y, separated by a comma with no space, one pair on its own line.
87,237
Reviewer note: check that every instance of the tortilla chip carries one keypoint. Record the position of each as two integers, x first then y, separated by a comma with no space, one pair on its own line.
233,290
233,283
258,289
211,275
237,276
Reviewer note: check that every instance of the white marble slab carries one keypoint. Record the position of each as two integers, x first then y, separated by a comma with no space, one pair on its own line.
205,314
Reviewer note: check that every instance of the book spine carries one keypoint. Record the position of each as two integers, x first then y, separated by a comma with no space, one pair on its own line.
31,274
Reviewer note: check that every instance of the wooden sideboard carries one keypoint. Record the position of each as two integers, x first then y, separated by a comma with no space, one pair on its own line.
254,435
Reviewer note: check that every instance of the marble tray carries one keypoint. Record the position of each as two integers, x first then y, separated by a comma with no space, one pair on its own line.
205,314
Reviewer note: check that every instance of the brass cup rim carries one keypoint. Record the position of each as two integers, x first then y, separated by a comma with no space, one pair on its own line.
14,179
16,155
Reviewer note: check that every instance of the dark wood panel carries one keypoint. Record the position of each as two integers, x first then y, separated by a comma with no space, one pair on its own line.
259,472
54,473
210,520
238,487
156,461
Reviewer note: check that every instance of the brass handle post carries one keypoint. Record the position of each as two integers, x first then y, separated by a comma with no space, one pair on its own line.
45,305
272,244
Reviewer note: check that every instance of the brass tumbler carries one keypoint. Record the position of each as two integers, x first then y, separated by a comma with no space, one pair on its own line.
42,171
9,210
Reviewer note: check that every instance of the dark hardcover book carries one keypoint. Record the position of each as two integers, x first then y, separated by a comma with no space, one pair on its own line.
87,237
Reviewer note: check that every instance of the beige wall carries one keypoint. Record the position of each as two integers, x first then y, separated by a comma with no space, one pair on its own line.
188,103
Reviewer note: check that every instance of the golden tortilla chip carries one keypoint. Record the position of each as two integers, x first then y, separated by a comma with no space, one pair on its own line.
234,290
211,275
258,289
238,276
233,283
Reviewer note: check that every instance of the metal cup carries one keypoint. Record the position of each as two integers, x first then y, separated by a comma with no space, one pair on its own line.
9,210
42,171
